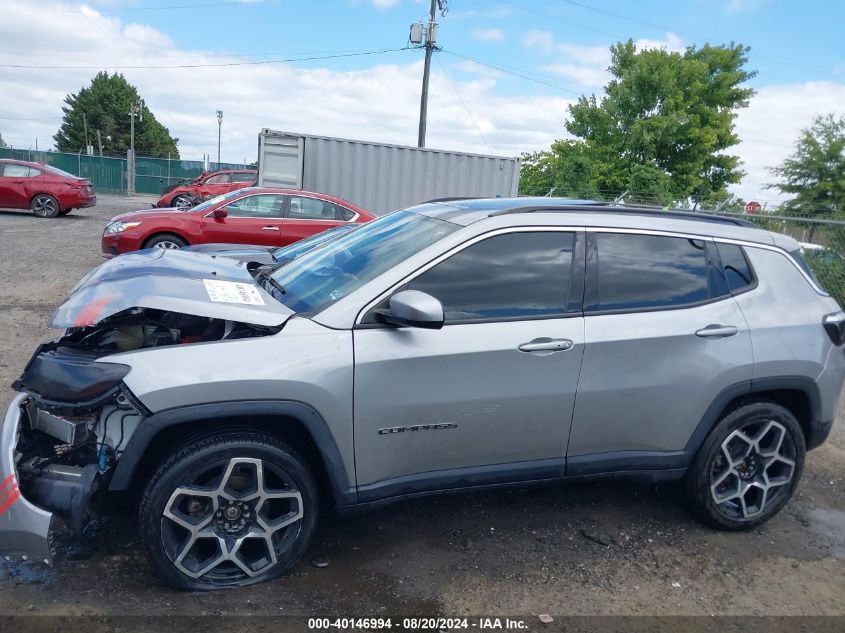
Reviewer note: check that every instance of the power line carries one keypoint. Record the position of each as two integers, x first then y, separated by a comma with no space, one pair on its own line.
211,65
664,28
510,72
461,99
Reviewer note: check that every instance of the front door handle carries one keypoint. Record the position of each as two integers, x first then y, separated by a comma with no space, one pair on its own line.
546,344
269,228
717,331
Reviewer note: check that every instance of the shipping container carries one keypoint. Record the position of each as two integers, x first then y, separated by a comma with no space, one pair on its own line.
377,176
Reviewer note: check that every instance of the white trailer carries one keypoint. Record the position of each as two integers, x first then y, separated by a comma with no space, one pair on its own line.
377,176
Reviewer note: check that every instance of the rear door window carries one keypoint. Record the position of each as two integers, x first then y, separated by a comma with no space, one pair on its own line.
640,272
302,208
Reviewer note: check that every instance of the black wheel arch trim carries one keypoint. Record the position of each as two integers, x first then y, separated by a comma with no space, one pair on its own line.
313,422
814,427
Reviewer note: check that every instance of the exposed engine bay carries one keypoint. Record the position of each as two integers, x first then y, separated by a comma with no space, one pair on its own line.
79,416
140,328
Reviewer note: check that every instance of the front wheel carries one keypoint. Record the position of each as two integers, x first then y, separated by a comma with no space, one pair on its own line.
228,511
45,206
748,467
165,240
182,203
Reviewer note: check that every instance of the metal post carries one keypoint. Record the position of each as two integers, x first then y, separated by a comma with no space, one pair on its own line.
130,163
100,143
219,127
429,49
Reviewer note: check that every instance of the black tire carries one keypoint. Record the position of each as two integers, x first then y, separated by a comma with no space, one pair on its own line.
165,240
45,206
227,453
732,497
182,202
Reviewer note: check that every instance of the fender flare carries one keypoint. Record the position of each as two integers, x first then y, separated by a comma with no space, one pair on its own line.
344,492
748,388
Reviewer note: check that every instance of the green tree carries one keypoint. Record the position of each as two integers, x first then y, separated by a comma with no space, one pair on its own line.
105,104
815,173
660,132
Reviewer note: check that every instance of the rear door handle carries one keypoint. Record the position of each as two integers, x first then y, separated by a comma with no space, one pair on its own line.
717,331
546,344
269,228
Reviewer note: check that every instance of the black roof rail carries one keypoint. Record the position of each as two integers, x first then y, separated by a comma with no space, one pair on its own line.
602,207
455,199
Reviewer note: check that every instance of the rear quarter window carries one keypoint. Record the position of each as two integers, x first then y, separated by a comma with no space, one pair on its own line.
738,272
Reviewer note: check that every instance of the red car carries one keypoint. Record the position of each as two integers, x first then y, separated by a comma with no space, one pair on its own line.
205,186
256,215
44,190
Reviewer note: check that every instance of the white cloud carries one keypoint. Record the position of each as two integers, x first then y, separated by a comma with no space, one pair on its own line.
671,43
487,35
739,6
771,124
546,42
380,103
586,76
385,4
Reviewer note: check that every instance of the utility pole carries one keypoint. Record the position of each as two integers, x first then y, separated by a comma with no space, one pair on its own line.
219,127
136,109
430,45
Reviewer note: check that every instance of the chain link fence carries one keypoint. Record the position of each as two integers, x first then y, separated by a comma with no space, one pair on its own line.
109,174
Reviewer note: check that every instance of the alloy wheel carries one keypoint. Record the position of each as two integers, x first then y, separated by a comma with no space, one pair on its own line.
182,203
232,521
167,244
44,206
752,469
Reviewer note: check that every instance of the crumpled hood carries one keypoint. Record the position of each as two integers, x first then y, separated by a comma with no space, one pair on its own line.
161,279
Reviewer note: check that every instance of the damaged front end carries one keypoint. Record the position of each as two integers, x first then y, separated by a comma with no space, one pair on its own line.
63,435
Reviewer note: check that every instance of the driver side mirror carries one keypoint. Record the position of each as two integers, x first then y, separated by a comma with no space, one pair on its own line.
413,308
220,212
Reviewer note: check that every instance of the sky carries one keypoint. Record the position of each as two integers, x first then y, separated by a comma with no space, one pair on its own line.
500,85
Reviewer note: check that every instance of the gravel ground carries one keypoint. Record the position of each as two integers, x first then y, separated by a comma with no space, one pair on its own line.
599,548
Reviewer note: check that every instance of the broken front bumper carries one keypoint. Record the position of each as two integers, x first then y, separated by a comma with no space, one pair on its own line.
24,528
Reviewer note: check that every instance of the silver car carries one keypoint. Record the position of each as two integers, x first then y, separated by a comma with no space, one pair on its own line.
451,345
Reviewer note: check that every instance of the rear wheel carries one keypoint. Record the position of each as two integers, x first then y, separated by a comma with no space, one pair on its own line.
165,240
45,206
748,468
228,511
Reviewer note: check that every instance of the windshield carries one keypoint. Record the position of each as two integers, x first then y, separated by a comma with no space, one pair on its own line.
58,171
212,201
296,249
326,274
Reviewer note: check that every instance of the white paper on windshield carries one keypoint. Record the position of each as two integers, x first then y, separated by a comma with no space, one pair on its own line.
232,292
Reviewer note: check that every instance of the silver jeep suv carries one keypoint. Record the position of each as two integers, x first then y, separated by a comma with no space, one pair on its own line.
447,346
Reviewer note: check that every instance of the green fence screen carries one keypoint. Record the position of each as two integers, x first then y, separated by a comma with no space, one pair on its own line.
108,175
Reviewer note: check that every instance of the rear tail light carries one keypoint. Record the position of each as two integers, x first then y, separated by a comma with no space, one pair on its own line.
834,325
